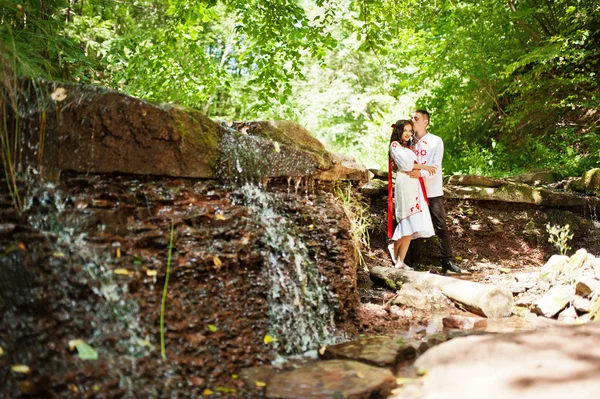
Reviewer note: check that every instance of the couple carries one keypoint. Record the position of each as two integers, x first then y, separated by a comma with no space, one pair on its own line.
418,196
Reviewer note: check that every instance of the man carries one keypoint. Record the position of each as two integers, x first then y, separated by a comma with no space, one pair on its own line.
430,151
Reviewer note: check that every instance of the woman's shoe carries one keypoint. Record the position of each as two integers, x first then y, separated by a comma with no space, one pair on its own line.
391,250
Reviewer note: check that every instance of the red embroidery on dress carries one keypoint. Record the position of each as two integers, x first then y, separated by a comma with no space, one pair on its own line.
394,144
423,153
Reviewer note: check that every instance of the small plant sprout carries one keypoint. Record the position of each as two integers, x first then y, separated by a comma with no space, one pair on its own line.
560,237
164,296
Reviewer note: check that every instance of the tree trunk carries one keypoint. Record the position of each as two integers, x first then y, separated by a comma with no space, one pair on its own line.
485,300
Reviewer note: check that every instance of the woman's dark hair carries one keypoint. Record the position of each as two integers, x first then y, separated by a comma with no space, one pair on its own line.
398,128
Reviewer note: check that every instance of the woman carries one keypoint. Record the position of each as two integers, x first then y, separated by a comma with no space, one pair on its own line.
410,201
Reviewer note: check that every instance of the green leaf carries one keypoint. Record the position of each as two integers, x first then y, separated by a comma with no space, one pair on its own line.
86,352
212,328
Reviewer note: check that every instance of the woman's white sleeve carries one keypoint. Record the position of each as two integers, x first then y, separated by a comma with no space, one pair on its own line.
404,158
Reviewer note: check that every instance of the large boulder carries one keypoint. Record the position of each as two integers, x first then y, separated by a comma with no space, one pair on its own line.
82,128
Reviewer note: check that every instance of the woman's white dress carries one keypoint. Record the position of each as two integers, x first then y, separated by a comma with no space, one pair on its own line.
410,207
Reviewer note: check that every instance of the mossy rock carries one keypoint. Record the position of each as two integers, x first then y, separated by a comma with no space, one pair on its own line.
537,177
590,181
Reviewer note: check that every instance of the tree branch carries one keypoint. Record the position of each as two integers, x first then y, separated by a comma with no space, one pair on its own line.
532,33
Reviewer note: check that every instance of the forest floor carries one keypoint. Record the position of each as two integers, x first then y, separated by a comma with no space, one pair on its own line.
488,239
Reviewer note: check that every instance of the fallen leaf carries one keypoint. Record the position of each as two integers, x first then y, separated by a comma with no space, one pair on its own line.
218,216
311,227
212,328
59,94
151,273
143,342
85,352
118,252
73,388
268,339
402,381
1,351
207,392
123,272
234,376
217,261
260,383
276,145
22,246
459,258
20,368
322,350
225,389
421,372
244,130
58,254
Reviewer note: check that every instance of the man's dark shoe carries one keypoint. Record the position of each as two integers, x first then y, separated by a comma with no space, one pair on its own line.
415,266
448,266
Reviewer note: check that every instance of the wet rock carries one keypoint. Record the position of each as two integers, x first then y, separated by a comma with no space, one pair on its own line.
587,287
554,300
464,322
332,379
380,351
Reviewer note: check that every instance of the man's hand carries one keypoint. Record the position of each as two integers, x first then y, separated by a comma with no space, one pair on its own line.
415,174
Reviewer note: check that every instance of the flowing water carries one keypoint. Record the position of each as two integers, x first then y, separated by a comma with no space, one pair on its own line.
301,309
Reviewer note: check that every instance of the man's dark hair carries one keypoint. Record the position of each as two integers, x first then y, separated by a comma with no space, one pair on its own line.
424,112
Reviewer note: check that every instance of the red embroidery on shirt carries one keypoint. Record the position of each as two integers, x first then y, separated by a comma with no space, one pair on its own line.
423,153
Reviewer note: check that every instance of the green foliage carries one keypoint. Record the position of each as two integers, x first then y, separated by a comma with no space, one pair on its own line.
359,218
560,237
511,85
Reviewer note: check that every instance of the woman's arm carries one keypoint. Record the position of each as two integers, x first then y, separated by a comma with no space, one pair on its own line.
428,168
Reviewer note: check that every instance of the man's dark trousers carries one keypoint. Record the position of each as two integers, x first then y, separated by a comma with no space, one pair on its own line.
438,217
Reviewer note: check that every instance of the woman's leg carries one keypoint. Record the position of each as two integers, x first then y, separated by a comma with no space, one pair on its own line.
400,249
